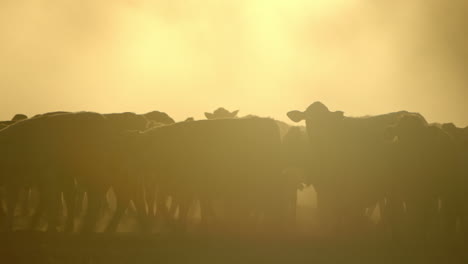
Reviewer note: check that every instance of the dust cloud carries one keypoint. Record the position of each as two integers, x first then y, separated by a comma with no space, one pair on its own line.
186,57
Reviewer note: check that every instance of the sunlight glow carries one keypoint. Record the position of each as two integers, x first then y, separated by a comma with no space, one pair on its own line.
186,57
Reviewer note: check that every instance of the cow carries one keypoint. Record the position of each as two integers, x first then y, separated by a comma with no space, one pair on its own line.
119,123
19,117
425,169
24,195
294,153
347,162
16,118
156,118
222,113
456,207
283,126
163,194
36,152
236,161
126,186
54,151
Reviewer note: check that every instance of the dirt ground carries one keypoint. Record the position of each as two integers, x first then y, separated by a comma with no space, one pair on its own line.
40,247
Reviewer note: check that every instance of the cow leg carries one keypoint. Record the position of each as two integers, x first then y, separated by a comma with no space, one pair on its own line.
34,197
386,213
150,197
69,195
3,214
23,201
54,209
236,215
449,216
412,225
173,207
429,216
79,200
92,211
140,206
207,212
184,207
395,214
327,211
162,212
39,211
292,208
143,218
419,222
464,219
103,204
121,205
11,199
433,216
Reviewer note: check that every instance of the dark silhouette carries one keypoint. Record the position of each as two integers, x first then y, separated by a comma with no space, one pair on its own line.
295,148
456,207
243,172
424,171
19,117
16,118
347,164
201,160
221,113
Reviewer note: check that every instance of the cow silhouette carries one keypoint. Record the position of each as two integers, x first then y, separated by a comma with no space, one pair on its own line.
221,113
219,159
347,163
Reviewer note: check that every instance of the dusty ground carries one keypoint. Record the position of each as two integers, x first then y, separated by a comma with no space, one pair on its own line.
39,247
164,246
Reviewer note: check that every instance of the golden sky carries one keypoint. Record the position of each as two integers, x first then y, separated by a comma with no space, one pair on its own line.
264,57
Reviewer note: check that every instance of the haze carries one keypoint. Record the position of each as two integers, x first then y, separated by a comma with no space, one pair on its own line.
186,57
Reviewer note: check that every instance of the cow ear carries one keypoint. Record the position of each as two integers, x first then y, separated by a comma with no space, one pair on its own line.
296,116
209,115
234,113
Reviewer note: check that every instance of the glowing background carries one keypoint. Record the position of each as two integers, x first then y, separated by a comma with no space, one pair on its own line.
265,57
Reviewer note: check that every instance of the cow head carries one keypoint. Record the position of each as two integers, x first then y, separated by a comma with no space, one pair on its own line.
452,130
221,113
316,113
409,127
159,117
19,117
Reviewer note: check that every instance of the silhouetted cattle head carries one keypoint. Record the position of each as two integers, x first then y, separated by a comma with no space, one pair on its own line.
19,117
409,127
316,113
221,113
452,130
159,117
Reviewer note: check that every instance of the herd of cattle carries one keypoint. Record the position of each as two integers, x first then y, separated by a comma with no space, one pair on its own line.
415,173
